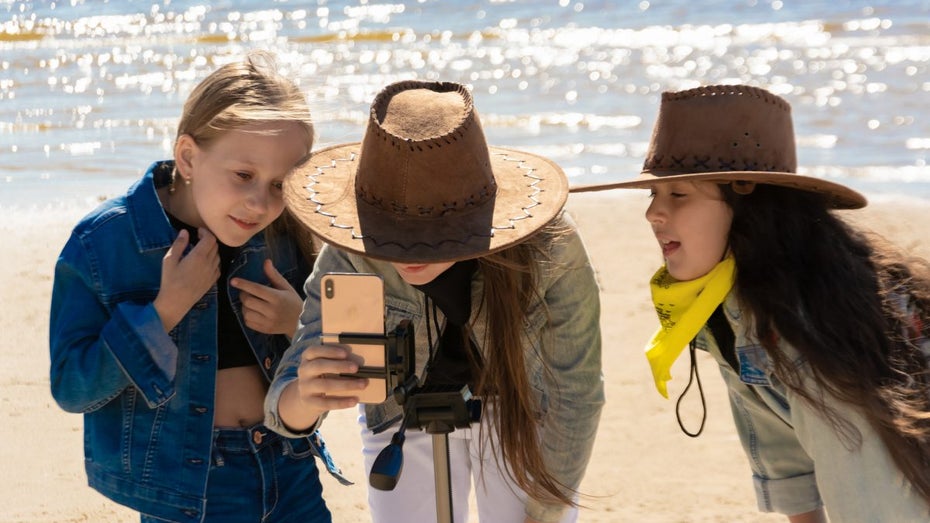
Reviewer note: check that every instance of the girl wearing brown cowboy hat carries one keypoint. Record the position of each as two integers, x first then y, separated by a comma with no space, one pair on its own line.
820,330
473,247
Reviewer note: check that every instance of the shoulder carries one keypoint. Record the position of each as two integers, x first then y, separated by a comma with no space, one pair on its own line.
109,214
332,259
99,236
560,246
130,209
394,285
133,222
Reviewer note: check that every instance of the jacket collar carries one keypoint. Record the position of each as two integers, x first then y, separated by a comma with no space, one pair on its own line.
150,224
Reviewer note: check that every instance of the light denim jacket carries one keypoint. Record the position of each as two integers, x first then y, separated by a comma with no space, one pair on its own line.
564,337
147,396
798,461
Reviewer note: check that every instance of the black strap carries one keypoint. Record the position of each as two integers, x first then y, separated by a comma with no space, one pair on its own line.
692,377
726,341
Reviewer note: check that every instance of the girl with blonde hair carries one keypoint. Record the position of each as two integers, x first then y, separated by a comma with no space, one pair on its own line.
173,304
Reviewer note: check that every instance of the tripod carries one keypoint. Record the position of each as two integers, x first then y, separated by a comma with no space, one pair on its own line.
441,473
437,411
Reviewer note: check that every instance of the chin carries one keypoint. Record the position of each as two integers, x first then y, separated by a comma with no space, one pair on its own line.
235,241
680,275
413,280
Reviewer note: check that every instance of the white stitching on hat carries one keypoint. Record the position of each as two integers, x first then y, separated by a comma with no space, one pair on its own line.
533,197
511,221
319,205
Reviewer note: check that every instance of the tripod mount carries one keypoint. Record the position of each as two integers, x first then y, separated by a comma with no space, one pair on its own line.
437,410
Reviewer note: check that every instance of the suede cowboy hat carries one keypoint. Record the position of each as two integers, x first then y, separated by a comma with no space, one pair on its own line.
423,185
728,133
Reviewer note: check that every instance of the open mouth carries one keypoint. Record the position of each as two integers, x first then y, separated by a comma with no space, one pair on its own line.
668,247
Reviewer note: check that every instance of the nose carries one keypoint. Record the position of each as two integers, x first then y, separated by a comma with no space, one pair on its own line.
258,200
655,213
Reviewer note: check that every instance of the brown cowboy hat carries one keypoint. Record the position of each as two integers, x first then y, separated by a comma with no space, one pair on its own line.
727,133
423,185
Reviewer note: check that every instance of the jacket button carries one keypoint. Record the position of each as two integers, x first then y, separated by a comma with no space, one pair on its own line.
267,363
257,437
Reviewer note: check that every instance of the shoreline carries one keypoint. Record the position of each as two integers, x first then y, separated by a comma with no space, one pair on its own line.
62,195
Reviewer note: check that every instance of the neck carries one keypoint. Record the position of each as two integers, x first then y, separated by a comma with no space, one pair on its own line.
180,204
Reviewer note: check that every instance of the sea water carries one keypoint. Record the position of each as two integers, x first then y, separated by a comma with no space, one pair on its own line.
91,91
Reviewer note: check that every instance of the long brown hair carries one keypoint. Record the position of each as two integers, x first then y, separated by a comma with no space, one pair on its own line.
510,289
836,294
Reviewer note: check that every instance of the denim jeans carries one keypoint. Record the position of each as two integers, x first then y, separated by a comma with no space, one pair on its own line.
257,476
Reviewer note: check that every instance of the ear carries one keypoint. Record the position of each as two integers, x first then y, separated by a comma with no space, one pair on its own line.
185,148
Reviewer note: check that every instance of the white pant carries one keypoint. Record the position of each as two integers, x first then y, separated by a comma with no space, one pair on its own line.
499,500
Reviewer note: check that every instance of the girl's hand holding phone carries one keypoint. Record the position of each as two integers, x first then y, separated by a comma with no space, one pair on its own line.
308,398
351,303
319,381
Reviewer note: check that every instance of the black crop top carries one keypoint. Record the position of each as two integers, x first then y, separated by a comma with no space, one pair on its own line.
233,349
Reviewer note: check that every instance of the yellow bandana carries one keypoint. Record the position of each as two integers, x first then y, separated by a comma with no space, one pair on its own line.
683,308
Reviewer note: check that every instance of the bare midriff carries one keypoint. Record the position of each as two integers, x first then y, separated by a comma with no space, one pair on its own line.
240,397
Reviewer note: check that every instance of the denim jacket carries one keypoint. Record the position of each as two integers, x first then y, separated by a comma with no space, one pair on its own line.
784,438
147,396
563,351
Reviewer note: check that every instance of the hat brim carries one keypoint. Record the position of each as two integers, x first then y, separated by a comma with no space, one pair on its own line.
531,191
839,196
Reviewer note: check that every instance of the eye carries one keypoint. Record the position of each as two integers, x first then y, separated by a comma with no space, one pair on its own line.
278,186
244,175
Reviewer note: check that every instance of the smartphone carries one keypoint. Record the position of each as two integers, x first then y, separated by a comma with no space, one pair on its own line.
352,313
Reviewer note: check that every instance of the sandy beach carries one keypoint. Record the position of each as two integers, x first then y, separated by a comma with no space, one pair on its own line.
643,468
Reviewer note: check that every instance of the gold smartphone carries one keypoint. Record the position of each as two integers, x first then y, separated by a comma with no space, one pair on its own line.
352,313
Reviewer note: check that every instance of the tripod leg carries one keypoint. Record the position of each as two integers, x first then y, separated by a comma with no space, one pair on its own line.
442,478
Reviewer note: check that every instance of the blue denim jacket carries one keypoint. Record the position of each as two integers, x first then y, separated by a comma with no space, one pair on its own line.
798,460
563,351
147,396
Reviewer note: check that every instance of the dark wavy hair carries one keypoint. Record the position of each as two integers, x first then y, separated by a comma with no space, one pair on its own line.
837,294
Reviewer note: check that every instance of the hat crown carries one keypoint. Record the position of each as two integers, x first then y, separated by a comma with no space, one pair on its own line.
721,128
724,134
423,185
424,152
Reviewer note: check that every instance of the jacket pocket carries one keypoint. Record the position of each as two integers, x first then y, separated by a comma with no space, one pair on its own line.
754,365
